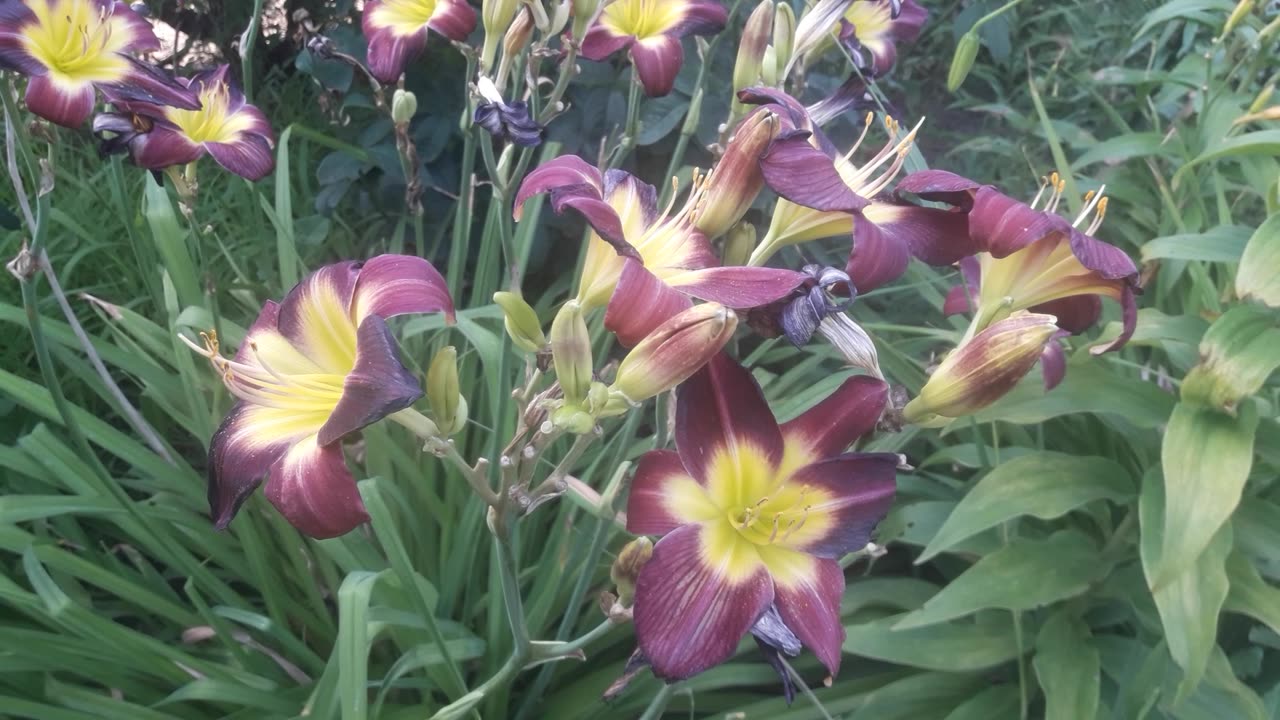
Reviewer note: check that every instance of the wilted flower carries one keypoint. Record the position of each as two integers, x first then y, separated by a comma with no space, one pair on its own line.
312,369
626,568
674,351
983,368
508,122
754,518
871,30
651,31
1031,259
397,31
234,132
644,264
67,48
824,194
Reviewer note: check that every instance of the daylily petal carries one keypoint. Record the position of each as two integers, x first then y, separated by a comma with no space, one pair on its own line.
315,316
67,104
391,285
738,287
810,606
940,186
454,19
691,608
1128,318
250,157
640,303
876,258
1053,363
701,17
1107,260
634,201
721,411
142,36
311,486
961,298
1075,314
1002,225
390,50
377,386
238,460
774,638
600,42
657,61
665,496
935,236
801,173
572,183
161,147
848,495
566,171
147,83
838,420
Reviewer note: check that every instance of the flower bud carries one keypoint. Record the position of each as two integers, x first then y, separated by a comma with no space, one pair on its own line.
496,16
448,407
1237,16
962,61
1264,95
674,351
521,322
737,179
571,352
739,244
755,38
560,15
769,70
584,14
984,368
404,105
626,568
784,35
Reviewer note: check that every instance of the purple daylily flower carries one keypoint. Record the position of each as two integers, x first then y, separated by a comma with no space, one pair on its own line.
397,31
650,30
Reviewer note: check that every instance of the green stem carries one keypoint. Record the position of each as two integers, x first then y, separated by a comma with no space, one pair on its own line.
247,42
628,142
568,68
658,703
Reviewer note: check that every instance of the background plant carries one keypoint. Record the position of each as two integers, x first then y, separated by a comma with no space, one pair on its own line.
1023,551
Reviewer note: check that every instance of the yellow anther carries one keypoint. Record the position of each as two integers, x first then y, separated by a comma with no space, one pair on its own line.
1062,185
1088,196
871,116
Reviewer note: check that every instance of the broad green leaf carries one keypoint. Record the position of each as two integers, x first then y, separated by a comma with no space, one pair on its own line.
999,702
1089,387
1045,485
951,647
171,242
1256,524
1025,574
354,639
1250,594
1190,601
1221,695
1068,667
917,523
1206,457
1117,150
1261,142
1181,9
1223,243
1257,278
1238,353
917,696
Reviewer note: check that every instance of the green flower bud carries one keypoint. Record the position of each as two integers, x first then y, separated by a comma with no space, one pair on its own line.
496,16
521,322
739,243
448,407
404,105
962,61
571,352
1237,16
1263,96
584,14
784,35
751,49
626,568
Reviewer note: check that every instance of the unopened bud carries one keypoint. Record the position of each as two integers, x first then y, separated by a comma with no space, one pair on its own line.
448,407
962,61
626,568
984,368
571,352
1260,101
784,35
584,14
769,70
739,244
521,322
737,179
1237,16
573,419
404,105
674,351
560,16
755,38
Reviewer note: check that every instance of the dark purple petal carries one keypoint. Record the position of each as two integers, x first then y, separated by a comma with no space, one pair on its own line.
640,303
454,19
689,616
149,84
856,492
564,172
806,176
621,188
1002,225
1075,314
377,386
1128,318
701,17
600,42
66,106
1053,362
839,419
910,20
650,504
939,186
721,409
876,258
851,96
1107,260
143,37
963,297
389,53
249,156
268,320
574,184
934,236
312,487
657,61
793,111
774,658
163,146
13,49
738,287
238,460
391,285
811,609
315,316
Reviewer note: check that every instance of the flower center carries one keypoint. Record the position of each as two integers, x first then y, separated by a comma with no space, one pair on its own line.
773,518
213,122
642,18
77,40
405,17
870,20
260,384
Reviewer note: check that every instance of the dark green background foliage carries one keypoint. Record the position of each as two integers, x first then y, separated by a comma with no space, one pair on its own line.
1022,552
